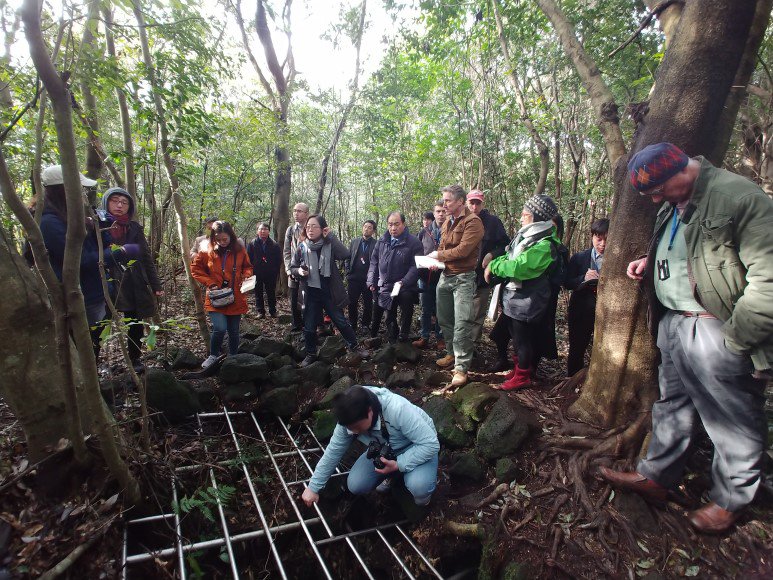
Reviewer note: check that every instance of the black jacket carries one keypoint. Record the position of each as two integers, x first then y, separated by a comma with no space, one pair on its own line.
495,241
265,264
360,273
390,264
579,264
137,283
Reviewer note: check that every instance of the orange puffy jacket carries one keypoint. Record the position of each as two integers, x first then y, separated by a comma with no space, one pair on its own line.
207,268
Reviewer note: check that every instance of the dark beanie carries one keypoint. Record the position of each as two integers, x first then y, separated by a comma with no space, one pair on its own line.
542,207
656,164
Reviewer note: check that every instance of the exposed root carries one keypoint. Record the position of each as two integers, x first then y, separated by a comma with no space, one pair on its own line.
499,490
568,385
560,501
529,517
464,530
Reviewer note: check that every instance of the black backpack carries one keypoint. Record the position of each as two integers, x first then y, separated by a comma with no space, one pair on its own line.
559,269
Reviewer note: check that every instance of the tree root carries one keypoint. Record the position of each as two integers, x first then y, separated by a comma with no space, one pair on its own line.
499,490
559,503
529,517
464,530
570,384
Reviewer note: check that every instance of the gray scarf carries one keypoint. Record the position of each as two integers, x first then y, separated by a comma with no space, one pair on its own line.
318,266
524,239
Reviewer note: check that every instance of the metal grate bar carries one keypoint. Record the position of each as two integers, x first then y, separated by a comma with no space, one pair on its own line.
419,552
396,556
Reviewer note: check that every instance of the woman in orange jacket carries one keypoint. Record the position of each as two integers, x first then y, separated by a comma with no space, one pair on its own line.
224,264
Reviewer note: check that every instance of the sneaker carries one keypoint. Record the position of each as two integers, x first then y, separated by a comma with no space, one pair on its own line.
210,360
385,486
446,361
310,358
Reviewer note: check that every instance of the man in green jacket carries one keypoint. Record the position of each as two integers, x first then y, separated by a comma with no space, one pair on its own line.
709,276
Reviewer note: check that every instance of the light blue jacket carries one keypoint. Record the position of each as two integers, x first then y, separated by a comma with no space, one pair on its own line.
411,431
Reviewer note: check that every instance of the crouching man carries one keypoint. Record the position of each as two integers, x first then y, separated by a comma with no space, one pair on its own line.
400,436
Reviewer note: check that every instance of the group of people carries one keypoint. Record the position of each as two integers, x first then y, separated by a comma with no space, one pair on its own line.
707,275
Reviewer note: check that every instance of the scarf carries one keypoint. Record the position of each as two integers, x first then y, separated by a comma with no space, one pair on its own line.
319,265
119,228
524,239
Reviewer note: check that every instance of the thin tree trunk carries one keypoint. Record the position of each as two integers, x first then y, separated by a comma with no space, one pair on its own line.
542,149
76,232
171,170
604,105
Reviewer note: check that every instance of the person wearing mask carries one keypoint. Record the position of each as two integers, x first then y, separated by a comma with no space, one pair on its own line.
377,416
429,237
321,286
137,284
495,240
582,278
459,248
360,250
525,270
265,257
224,264
53,226
393,278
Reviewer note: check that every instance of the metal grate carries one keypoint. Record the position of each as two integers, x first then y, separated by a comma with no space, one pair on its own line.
317,531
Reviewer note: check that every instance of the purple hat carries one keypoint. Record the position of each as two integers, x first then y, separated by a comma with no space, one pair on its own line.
656,164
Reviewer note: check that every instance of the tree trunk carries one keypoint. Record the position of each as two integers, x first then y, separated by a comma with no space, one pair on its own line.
170,165
604,105
30,382
693,83
76,231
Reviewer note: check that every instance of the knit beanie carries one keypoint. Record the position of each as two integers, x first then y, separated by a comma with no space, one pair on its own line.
656,164
542,207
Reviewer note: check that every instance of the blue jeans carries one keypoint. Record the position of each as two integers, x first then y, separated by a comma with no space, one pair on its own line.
428,310
421,481
222,323
314,300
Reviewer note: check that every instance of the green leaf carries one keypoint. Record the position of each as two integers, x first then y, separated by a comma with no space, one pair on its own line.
692,571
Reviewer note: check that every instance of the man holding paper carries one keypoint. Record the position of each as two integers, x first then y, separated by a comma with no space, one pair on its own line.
394,276
459,249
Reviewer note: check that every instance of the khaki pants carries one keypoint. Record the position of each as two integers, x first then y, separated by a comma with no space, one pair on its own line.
455,316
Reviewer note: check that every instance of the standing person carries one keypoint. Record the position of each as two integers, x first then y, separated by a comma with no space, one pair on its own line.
314,265
526,267
225,264
495,240
265,257
53,226
201,243
460,241
582,279
708,275
429,237
375,416
292,239
393,269
360,250
137,284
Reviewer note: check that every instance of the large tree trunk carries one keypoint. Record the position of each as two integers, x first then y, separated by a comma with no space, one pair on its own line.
693,84
30,383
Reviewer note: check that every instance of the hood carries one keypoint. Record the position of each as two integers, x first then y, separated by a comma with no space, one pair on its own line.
118,191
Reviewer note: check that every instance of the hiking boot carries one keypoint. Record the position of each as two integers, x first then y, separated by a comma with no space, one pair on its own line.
421,343
446,361
209,361
711,519
310,358
441,344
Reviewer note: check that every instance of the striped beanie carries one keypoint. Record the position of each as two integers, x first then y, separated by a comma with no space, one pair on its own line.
656,164
542,207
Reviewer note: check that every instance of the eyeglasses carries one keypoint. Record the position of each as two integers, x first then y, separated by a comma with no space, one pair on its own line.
119,201
651,192
313,227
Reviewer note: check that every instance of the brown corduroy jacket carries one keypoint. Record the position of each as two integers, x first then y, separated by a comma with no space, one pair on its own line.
460,243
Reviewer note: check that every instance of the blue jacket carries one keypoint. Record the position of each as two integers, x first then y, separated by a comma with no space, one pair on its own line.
412,435
54,232
390,264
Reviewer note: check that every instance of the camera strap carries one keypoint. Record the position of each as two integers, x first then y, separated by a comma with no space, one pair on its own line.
384,430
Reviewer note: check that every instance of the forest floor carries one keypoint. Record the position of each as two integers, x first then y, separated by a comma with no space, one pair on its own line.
557,519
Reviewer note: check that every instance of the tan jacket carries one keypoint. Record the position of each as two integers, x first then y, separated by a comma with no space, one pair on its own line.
460,243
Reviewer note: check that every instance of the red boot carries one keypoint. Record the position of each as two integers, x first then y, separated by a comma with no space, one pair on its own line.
521,379
511,374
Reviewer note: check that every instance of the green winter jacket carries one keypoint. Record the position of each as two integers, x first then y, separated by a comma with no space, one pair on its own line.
729,236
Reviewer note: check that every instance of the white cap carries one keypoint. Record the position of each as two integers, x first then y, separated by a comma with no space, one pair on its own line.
52,175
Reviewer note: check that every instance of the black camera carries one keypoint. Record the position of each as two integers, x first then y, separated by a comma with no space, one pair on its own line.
377,450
